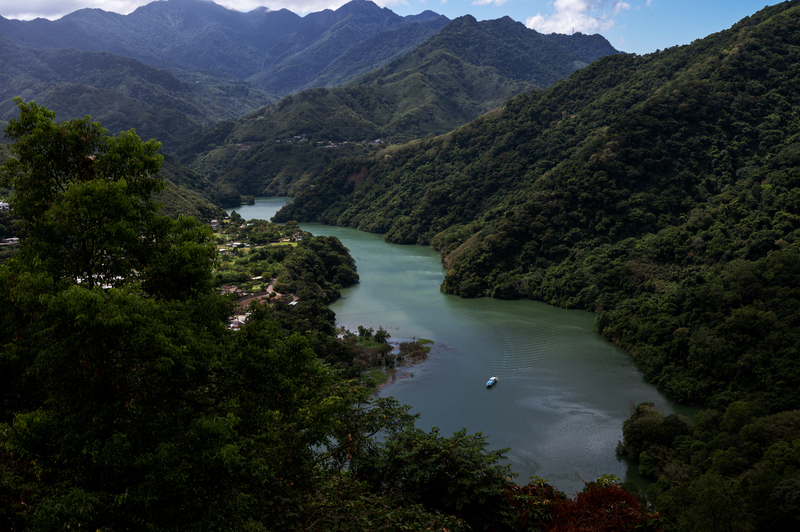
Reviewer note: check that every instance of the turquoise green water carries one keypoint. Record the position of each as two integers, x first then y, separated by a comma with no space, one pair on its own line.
562,393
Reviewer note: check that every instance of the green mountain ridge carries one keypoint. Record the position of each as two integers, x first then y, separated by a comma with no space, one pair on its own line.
375,51
340,42
118,88
467,69
512,49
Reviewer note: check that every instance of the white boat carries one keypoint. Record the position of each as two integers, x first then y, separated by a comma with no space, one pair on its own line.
491,382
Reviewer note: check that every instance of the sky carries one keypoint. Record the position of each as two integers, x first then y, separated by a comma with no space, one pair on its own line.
635,26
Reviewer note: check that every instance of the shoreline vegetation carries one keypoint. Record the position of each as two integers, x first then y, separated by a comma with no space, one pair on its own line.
257,266
384,362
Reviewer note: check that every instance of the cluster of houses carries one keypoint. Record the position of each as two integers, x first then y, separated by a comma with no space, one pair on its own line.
302,138
235,322
326,144
296,138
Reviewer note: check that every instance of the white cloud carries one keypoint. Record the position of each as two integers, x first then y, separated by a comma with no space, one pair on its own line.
54,9
485,2
300,7
587,16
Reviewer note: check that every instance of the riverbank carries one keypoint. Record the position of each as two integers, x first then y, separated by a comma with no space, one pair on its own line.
564,390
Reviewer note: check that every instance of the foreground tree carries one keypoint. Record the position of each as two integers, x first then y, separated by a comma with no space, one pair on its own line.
82,197
134,407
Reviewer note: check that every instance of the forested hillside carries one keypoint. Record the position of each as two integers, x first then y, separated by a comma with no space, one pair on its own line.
356,38
121,92
125,94
635,169
465,70
505,46
660,191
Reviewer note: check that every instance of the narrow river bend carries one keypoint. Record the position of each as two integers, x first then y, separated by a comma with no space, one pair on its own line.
562,393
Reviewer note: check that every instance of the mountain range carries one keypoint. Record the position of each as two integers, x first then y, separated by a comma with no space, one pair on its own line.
121,92
153,70
467,69
278,51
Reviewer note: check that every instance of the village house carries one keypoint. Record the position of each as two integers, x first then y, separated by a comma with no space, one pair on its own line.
3,206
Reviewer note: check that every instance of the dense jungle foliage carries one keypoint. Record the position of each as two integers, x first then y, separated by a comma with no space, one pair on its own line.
129,404
660,191
730,470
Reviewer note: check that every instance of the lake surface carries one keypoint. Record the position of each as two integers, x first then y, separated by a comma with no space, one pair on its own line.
562,393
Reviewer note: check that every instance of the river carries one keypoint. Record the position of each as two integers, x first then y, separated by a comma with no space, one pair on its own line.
563,391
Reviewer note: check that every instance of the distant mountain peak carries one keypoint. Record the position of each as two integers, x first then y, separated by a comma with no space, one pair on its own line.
424,16
362,6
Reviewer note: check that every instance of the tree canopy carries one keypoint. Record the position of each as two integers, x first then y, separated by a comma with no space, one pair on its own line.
127,403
